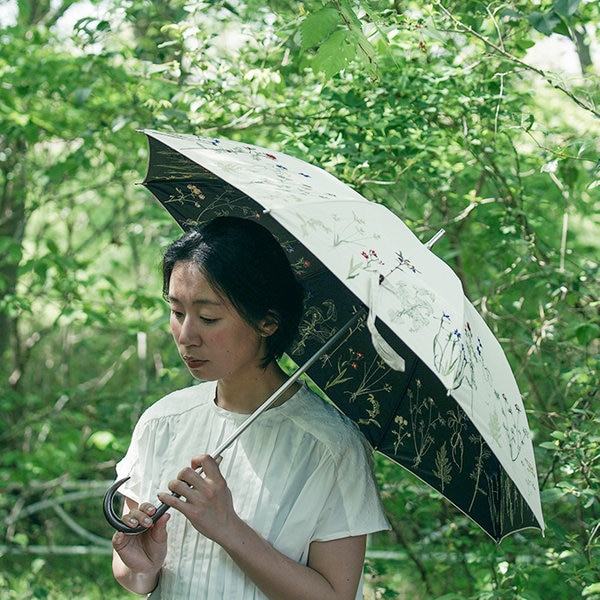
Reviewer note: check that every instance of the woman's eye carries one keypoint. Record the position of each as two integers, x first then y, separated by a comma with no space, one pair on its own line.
178,315
208,320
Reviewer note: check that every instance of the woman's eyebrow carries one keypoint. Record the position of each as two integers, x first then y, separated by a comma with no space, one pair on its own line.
202,301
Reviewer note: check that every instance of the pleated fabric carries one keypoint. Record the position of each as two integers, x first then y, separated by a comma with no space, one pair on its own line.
302,472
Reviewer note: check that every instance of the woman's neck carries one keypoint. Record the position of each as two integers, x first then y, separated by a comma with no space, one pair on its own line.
247,395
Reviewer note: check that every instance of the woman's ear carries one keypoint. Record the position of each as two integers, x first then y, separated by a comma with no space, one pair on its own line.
269,325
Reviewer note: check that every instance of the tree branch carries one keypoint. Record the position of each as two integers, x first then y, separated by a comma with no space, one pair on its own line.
511,57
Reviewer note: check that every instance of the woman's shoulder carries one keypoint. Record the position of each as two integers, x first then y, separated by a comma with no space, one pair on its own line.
180,402
326,423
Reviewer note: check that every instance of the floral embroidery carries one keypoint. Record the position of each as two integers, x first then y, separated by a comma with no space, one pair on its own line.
400,432
319,323
368,379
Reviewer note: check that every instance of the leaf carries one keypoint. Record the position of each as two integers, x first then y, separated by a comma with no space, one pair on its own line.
544,22
349,15
80,95
549,445
101,439
565,8
587,333
524,44
368,54
550,167
20,539
511,14
443,470
335,53
317,27
103,26
594,588
552,495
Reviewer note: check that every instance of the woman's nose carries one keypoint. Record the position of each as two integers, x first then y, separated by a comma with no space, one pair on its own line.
189,333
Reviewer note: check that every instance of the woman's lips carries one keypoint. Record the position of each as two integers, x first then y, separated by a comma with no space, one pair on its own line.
194,363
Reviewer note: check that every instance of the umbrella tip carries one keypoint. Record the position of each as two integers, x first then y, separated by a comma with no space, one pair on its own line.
435,239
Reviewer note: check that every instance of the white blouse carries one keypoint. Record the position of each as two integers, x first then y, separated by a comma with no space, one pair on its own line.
302,472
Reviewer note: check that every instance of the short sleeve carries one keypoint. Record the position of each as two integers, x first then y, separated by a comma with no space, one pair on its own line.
131,466
352,505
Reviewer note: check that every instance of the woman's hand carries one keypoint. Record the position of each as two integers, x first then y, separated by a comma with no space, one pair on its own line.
138,559
205,499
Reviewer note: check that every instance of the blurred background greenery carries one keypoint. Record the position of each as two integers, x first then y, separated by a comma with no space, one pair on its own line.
478,117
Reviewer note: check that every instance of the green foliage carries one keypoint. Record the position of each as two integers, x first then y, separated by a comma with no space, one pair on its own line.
430,109
318,27
572,489
71,577
337,34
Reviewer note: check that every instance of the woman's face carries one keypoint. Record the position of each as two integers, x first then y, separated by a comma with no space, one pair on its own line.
215,342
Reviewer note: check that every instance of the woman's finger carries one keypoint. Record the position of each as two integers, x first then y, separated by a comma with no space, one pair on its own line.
183,488
147,508
120,540
209,466
137,517
190,476
174,502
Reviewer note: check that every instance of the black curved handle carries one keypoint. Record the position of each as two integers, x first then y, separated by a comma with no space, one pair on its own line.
115,521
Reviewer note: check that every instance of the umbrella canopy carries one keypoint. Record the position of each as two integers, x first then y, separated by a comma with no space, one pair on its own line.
423,377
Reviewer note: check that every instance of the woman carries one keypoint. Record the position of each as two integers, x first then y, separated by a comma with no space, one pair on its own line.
285,512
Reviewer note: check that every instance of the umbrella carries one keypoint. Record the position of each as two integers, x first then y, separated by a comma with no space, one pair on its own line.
423,376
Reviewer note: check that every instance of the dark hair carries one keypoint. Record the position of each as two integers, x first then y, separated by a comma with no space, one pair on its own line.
244,262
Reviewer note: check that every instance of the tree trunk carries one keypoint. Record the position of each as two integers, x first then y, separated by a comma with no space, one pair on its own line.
12,228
